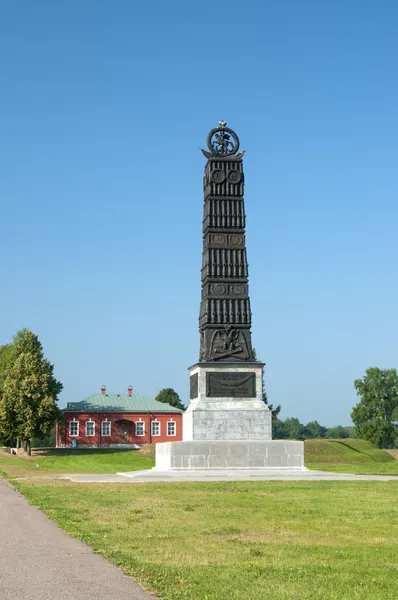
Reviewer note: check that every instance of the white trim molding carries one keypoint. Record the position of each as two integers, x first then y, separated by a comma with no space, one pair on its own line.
139,431
174,429
109,429
70,428
153,434
93,424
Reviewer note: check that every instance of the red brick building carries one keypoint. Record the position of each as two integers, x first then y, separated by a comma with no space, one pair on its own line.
118,420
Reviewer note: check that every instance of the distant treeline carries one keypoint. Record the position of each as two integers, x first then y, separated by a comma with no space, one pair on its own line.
293,429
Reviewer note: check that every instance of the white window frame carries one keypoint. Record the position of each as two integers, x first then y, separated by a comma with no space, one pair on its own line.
175,428
152,424
73,423
90,434
143,428
102,429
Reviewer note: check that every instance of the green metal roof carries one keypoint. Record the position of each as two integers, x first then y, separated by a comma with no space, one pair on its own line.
120,403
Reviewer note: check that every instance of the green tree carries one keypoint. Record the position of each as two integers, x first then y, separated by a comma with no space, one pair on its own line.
7,354
275,411
278,429
338,432
313,431
28,403
169,396
293,428
48,441
376,414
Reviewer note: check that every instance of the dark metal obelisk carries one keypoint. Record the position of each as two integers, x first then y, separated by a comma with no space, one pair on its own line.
226,383
225,316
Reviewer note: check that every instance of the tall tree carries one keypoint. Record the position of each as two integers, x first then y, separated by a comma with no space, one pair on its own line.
376,414
169,396
28,403
338,432
313,430
7,354
293,428
275,411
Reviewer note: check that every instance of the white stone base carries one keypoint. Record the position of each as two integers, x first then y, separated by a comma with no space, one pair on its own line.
240,455
227,418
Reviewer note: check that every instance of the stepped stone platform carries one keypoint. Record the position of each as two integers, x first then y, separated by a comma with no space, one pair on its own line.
230,454
181,475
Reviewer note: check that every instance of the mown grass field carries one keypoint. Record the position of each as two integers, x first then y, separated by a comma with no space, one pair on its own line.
235,540
45,462
349,456
232,540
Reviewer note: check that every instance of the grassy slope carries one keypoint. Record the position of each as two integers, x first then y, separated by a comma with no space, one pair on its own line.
234,540
348,456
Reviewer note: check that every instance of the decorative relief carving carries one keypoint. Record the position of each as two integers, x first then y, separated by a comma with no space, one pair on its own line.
219,240
228,342
218,289
237,289
229,289
234,239
234,176
218,176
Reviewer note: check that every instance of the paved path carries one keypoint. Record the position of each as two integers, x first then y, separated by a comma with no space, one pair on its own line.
39,561
154,476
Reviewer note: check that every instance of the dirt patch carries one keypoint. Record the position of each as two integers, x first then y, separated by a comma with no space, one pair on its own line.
394,453
147,450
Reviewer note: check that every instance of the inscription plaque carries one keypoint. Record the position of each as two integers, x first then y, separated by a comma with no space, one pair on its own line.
230,385
193,380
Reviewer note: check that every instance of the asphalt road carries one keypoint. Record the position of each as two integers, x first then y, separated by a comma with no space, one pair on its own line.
39,561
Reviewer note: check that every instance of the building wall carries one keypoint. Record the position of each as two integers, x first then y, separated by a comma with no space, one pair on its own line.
122,433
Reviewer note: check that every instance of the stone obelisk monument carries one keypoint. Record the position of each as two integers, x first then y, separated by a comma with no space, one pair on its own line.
226,425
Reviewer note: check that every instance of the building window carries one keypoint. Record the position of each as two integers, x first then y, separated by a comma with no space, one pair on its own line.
73,428
171,428
90,428
139,428
106,428
155,428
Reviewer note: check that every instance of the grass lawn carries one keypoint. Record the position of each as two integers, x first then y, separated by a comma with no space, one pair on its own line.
349,456
344,456
74,461
238,540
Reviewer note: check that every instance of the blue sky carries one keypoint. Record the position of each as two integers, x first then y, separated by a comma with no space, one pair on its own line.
103,107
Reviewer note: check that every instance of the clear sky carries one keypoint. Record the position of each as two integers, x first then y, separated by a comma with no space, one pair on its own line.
103,106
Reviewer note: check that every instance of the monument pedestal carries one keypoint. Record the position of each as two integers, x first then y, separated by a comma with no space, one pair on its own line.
226,403
227,424
240,455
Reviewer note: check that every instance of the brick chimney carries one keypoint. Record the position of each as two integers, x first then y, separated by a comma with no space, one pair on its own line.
103,390
130,390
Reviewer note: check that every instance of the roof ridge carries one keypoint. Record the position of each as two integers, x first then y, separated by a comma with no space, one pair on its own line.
120,403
